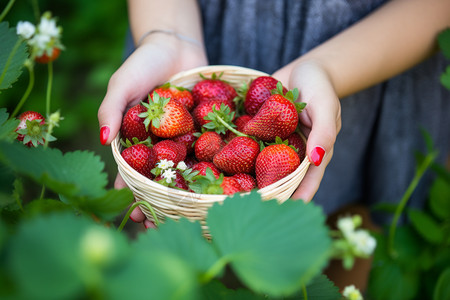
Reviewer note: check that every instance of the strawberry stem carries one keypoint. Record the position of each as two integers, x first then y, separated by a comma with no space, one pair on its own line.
49,87
238,133
27,91
132,207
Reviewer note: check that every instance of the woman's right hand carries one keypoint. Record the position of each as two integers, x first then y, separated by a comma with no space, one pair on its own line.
151,64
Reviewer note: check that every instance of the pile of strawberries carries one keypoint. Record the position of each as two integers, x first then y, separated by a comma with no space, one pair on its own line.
215,139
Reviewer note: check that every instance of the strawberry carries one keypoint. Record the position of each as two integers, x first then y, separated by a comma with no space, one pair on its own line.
275,162
190,161
278,116
247,181
230,186
239,156
31,129
203,165
207,145
45,58
133,126
168,118
188,140
203,109
141,158
258,92
170,150
183,95
297,141
213,89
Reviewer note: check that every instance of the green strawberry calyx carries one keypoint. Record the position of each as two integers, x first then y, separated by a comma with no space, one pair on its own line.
35,132
221,120
207,184
155,110
291,95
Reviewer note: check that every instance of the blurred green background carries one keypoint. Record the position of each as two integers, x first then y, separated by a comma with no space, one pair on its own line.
94,36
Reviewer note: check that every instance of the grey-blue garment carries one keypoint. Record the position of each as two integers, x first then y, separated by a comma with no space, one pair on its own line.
373,157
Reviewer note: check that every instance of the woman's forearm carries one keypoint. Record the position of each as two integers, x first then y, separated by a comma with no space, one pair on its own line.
181,16
393,39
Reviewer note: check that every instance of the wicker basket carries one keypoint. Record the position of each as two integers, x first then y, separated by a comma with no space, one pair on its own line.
173,203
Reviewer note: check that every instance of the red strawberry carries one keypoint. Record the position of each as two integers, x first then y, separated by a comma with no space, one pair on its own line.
188,140
183,95
204,108
239,156
258,92
141,158
297,141
167,118
46,58
133,126
207,145
213,89
170,150
31,129
247,181
230,186
178,182
203,165
278,116
275,162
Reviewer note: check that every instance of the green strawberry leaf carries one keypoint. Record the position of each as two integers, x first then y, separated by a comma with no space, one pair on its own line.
55,256
442,288
444,42
13,54
260,251
445,78
426,226
320,287
440,198
7,126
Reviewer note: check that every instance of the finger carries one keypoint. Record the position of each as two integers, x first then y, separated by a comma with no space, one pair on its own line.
137,215
311,182
119,183
149,224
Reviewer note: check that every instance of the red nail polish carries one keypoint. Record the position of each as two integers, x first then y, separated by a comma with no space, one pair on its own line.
132,219
104,134
317,155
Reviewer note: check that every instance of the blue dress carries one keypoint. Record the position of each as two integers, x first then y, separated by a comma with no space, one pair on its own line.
373,157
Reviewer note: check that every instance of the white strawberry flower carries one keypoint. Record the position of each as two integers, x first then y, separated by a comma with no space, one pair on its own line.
165,164
182,166
362,242
352,293
346,225
40,41
169,175
25,29
48,27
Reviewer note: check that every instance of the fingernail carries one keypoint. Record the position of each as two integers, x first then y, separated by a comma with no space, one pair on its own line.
316,155
133,219
104,134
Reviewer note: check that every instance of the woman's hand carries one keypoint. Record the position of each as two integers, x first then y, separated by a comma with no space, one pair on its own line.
320,120
150,65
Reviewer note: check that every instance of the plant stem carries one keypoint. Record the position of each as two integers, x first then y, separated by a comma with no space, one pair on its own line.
10,57
27,91
7,9
49,87
412,186
36,11
229,127
132,207
305,293
214,269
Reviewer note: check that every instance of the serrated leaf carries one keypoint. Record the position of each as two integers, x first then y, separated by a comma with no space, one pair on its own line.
320,288
440,198
78,173
7,126
12,56
276,255
54,257
215,290
426,226
444,42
